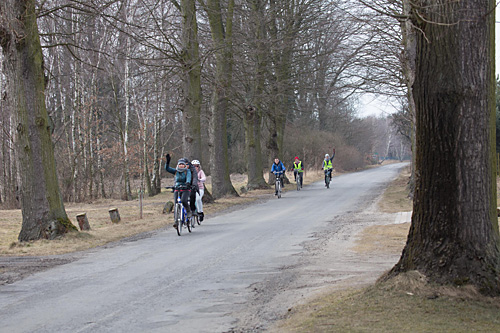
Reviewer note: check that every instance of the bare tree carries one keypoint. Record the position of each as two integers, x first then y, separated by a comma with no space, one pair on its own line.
222,34
454,234
43,210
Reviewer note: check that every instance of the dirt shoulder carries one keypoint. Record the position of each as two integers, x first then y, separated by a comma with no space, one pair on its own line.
350,253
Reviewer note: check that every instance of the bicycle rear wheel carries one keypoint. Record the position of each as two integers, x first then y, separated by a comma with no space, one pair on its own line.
197,218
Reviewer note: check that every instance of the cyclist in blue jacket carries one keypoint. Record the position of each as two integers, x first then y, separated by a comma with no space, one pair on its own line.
182,182
278,168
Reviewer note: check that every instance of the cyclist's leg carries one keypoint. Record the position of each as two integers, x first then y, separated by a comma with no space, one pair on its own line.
192,200
185,201
199,202
295,172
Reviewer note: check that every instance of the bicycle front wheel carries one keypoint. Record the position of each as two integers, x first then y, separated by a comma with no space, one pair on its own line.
279,190
178,218
180,221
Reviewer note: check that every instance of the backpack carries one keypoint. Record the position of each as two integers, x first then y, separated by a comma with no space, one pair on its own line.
194,176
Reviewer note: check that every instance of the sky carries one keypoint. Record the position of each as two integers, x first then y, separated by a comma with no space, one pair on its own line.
370,105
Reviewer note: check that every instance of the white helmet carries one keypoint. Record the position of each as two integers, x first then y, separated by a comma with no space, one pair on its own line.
195,162
326,155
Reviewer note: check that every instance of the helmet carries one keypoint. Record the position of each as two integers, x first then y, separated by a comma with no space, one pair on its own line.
326,155
296,157
195,162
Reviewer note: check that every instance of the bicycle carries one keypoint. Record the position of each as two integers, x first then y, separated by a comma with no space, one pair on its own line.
277,185
298,179
328,177
180,214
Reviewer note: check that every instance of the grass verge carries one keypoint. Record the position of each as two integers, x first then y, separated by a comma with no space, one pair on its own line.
406,303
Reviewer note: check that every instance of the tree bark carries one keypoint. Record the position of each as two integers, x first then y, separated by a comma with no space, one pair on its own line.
454,235
253,115
222,38
42,207
408,65
191,111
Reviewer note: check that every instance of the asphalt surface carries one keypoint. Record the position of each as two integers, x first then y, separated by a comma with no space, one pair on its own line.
205,281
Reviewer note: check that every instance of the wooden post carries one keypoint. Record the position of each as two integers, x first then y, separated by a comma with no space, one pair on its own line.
114,215
83,222
140,202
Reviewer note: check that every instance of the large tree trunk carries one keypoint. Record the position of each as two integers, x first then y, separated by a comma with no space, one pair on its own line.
253,115
43,210
408,65
191,111
454,236
222,38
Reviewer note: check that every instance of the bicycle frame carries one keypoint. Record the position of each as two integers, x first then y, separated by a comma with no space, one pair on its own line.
277,185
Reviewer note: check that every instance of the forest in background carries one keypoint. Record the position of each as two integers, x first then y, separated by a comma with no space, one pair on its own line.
116,89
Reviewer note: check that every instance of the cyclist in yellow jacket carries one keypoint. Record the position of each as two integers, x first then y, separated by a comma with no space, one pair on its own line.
298,170
328,165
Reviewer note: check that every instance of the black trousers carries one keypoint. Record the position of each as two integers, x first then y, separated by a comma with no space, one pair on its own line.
184,194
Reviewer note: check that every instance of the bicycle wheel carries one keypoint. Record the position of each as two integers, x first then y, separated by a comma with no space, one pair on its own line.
279,190
198,219
298,182
327,182
179,219
188,223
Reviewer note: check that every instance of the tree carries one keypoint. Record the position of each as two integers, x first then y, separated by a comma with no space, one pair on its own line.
253,112
222,35
191,77
498,115
454,235
42,207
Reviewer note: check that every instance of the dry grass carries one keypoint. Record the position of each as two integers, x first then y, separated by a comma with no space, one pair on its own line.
395,198
383,239
103,231
406,304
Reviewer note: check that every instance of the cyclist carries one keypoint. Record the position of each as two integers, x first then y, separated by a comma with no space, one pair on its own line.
279,170
328,166
298,170
194,186
201,187
182,182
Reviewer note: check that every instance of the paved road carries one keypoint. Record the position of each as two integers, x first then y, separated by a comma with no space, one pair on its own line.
199,282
